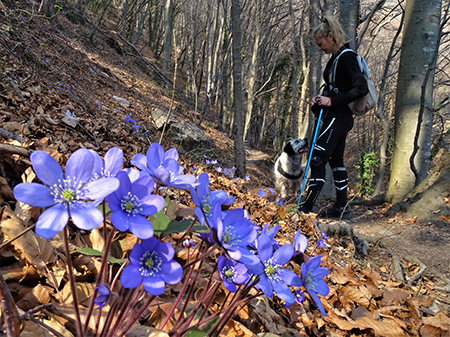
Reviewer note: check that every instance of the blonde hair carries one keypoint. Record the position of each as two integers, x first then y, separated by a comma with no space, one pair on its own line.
330,25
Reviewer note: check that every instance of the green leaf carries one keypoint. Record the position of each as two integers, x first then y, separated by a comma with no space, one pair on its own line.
95,252
194,332
107,209
163,225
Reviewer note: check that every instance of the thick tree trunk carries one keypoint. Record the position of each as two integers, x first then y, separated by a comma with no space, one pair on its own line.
349,17
429,200
238,102
420,39
252,73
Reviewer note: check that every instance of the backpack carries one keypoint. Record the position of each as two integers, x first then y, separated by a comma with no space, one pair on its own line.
365,103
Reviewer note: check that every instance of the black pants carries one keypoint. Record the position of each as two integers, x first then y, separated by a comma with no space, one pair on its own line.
330,146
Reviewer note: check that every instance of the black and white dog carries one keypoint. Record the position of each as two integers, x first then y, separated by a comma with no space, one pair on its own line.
288,168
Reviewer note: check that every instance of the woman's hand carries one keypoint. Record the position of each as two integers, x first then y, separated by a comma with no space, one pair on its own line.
322,100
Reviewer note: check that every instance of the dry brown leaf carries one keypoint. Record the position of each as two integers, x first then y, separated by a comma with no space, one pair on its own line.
64,312
34,250
384,328
145,331
360,295
267,316
236,329
84,292
31,329
97,240
440,321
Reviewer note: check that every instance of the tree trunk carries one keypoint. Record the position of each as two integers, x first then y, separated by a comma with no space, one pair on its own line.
252,73
420,39
295,55
167,35
349,17
428,201
238,102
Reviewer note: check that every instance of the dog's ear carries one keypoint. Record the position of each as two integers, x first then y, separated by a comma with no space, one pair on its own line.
288,149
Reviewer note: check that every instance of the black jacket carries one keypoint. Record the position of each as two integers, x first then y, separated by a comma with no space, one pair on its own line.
349,80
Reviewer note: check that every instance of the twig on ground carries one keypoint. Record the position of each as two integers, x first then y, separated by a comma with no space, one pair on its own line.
397,266
80,103
419,274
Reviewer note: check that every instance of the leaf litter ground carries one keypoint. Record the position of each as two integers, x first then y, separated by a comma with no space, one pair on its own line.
63,71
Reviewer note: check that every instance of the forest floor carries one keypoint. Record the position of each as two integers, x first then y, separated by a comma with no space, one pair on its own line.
48,70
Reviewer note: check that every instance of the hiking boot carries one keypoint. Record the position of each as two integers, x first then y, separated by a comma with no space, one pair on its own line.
335,212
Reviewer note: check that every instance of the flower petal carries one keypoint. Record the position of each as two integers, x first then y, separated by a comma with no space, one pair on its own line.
203,186
85,216
171,153
265,247
120,219
171,272
266,285
155,155
149,245
284,254
136,253
290,278
283,291
154,285
316,300
140,161
131,277
46,167
99,189
33,194
153,204
113,160
140,226
79,166
52,221
165,251
321,287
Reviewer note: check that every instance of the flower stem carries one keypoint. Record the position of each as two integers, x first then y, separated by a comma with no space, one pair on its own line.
101,274
187,231
135,317
130,300
73,288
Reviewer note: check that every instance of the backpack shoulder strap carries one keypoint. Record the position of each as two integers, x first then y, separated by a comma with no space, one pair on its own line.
332,74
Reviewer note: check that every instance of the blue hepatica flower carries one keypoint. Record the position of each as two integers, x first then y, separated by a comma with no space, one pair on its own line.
300,242
232,273
104,295
152,264
312,277
280,202
325,236
299,296
164,167
65,193
321,243
272,276
235,232
205,200
247,177
132,202
272,190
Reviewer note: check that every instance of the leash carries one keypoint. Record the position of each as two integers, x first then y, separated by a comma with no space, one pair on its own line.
310,155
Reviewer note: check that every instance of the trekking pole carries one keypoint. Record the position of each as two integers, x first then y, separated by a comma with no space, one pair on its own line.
310,155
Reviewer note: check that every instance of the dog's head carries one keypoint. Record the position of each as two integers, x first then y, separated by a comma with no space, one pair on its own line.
296,146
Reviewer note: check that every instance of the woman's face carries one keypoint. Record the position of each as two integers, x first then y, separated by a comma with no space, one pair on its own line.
325,43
